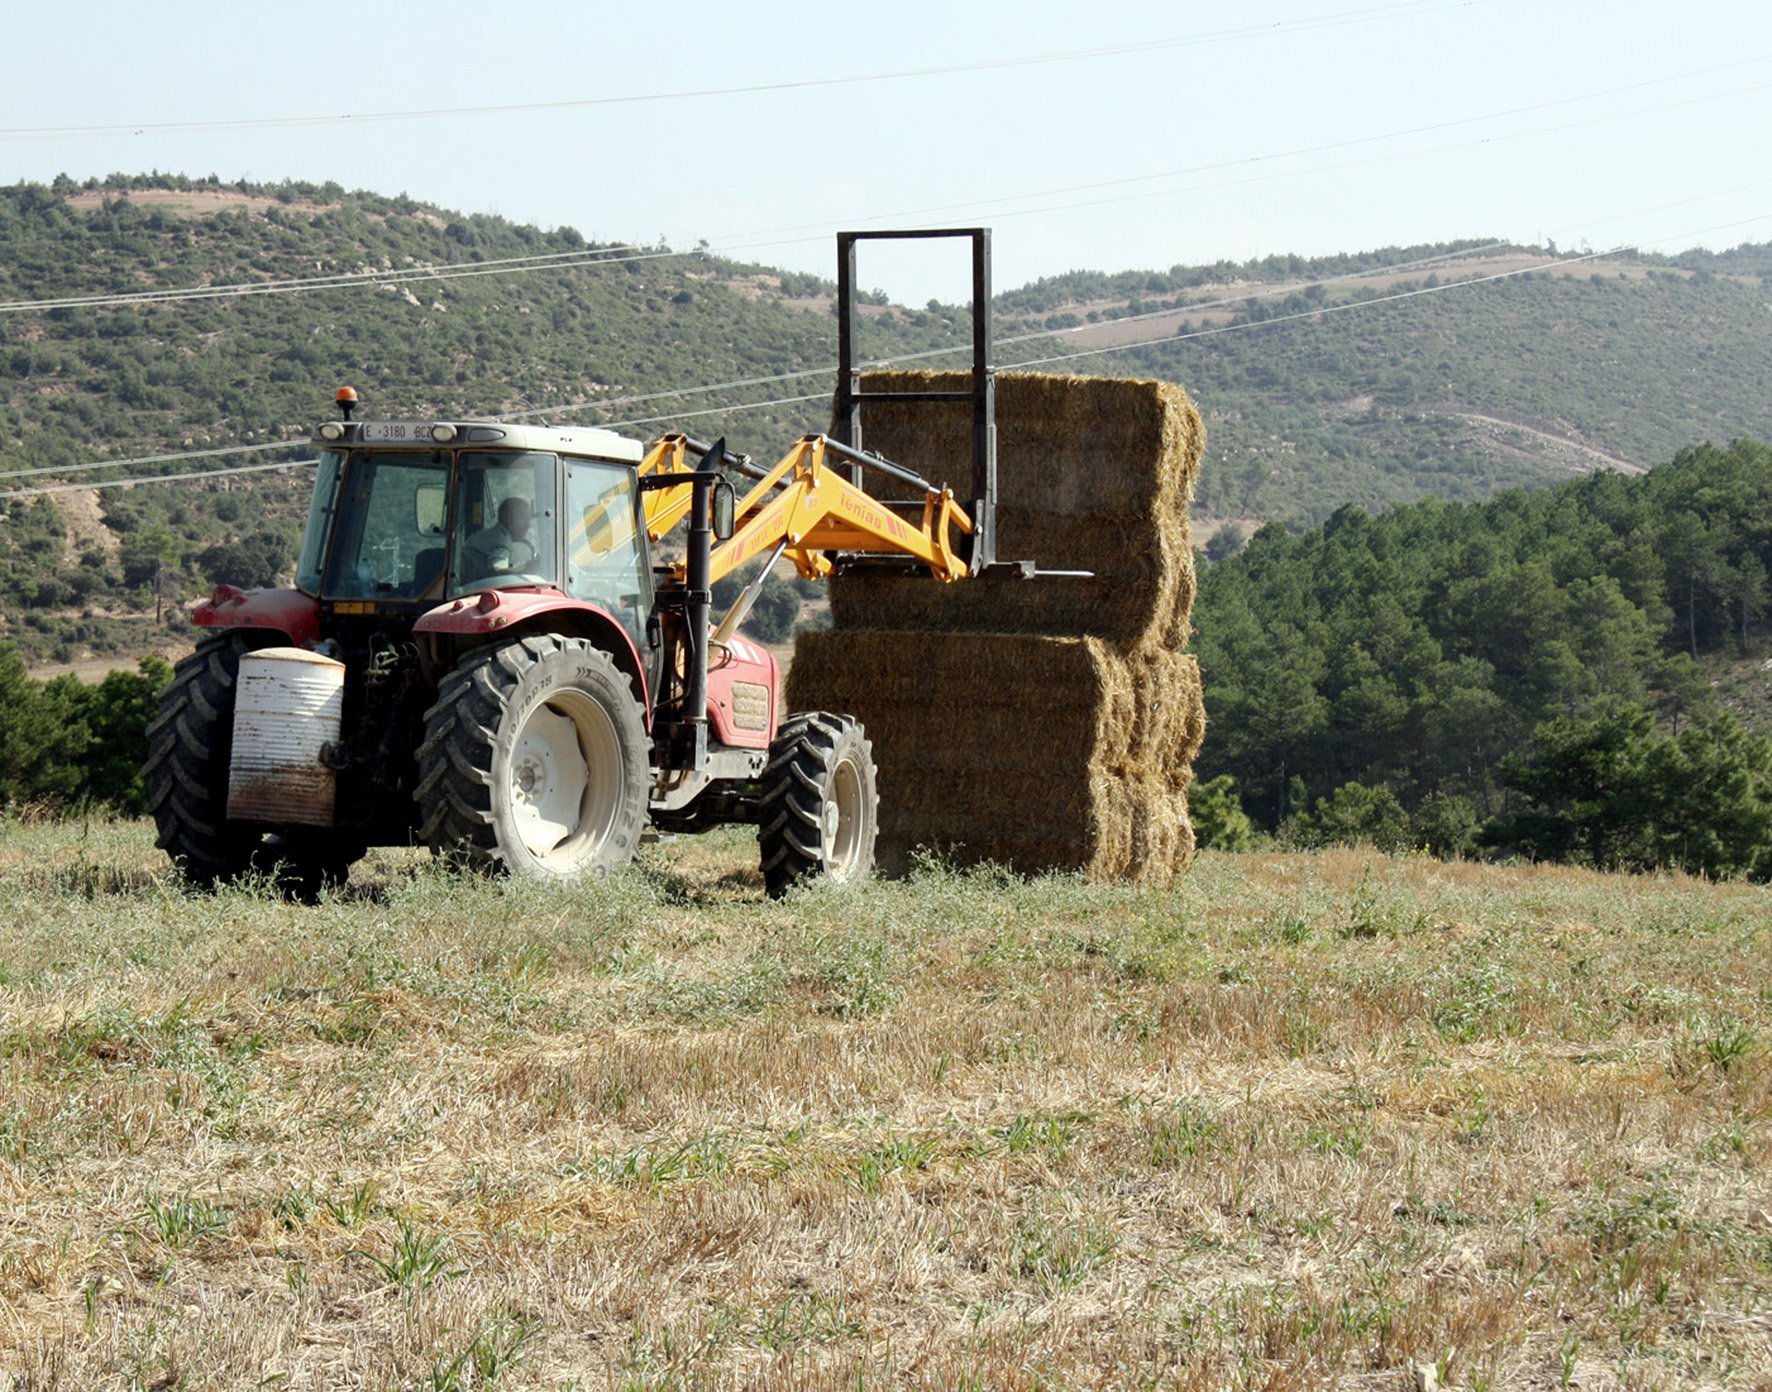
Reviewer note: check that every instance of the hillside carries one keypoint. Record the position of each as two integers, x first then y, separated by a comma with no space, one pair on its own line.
1454,395
1555,371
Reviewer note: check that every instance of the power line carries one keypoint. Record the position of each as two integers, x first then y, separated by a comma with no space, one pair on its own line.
625,253
1328,146
150,459
1383,158
679,392
1388,268
154,478
1316,313
720,410
1347,17
1323,310
352,279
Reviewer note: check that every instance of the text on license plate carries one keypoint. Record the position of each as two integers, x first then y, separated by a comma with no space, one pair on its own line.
397,432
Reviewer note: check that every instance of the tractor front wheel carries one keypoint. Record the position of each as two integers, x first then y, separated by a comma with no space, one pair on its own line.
535,760
820,809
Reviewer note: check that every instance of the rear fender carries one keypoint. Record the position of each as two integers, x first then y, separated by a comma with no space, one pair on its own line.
289,612
509,613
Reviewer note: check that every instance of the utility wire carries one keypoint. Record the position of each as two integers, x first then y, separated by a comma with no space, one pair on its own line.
154,478
680,392
775,237
677,393
150,459
1346,17
1384,158
1316,313
1323,148
1388,268
1324,310
352,279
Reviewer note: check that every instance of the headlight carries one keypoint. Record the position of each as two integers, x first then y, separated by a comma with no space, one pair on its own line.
442,434
332,430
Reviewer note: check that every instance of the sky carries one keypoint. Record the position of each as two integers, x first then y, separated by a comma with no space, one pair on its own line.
1111,136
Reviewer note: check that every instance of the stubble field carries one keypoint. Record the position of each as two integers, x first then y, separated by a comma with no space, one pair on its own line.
1337,1120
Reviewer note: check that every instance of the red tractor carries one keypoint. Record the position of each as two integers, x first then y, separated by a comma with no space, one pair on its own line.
482,654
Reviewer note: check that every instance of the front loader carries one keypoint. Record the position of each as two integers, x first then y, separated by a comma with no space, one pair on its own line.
483,653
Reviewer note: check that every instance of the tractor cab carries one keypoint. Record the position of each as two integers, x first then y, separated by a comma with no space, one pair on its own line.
410,515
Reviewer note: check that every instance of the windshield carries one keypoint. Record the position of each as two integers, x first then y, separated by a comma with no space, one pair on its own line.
384,527
389,541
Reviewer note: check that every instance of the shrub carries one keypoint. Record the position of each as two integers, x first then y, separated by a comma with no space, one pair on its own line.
1218,817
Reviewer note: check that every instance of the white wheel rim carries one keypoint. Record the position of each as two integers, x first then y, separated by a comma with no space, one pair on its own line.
842,821
565,780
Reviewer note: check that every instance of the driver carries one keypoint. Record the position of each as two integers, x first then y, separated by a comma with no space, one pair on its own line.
503,549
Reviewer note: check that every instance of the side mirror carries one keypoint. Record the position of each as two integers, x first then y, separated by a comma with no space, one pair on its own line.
725,505
430,506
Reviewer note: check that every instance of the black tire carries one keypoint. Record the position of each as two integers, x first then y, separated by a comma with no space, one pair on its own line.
190,742
515,729
820,809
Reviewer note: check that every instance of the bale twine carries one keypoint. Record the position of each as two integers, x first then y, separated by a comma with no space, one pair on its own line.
1048,724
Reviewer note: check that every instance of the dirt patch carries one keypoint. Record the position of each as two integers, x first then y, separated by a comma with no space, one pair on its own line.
192,203
1543,440
84,518
1202,314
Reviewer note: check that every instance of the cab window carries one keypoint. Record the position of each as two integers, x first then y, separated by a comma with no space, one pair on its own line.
605,560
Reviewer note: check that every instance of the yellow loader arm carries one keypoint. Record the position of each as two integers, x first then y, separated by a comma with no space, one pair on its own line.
806,507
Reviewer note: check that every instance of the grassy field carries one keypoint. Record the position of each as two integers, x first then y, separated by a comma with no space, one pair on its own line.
1335,1120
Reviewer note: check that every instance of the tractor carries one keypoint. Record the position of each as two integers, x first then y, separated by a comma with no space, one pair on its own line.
487,651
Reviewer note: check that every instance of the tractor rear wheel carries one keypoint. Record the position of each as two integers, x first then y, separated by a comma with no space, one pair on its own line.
190,743
535,760
820,807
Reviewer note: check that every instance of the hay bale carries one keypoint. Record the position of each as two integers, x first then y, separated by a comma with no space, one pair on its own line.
1141,593
1092,474
1030,751
1044,724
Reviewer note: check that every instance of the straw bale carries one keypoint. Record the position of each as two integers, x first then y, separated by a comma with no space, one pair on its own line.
1044,724
1092,474
1027,750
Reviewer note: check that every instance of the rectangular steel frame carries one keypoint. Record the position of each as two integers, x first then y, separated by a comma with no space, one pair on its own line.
983,392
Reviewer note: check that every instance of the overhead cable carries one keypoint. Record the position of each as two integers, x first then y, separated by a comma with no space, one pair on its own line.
1306,25
730,244
155,478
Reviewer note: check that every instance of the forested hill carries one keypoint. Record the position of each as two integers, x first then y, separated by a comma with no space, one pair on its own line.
1521,381
1525,670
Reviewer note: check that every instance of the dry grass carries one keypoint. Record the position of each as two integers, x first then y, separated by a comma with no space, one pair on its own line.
1295,1122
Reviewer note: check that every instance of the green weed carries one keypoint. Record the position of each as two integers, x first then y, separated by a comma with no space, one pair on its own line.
184,1219
415,1261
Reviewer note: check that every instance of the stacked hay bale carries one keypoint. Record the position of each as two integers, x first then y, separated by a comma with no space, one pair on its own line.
1041,724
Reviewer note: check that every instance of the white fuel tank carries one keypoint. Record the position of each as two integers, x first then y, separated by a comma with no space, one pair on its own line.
288,703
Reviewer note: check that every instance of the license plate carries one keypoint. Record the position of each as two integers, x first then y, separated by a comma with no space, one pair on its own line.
397,432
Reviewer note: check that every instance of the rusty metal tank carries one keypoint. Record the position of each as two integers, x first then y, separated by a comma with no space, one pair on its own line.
287,708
